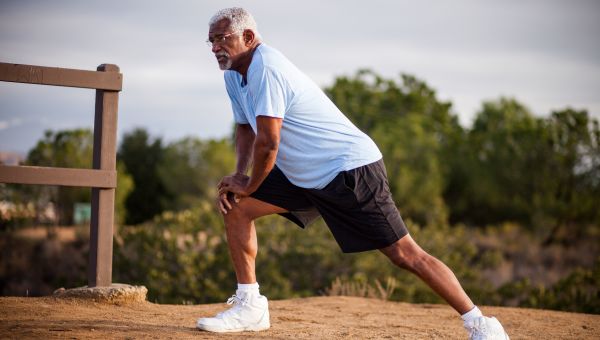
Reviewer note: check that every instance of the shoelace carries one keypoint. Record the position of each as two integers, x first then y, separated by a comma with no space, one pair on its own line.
237,303
477,330
234,299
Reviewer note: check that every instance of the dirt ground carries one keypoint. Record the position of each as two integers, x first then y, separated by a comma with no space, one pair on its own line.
308,318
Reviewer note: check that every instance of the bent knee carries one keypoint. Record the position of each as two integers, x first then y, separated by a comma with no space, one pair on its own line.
240,213
236,213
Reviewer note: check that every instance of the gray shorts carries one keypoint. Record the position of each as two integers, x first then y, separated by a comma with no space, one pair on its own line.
356,205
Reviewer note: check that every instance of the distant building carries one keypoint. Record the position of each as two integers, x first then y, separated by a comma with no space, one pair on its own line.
82,213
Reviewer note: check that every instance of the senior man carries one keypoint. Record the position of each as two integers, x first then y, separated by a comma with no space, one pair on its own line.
307,160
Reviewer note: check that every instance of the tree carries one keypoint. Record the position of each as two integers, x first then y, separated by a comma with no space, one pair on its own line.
573,194
536,171
415,132
142,158
191,169
503,149
124,187
65,149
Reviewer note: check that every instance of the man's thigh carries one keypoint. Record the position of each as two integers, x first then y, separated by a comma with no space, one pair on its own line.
359,210
278,191
254,208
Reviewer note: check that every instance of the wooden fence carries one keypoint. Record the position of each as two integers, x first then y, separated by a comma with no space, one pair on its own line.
103,177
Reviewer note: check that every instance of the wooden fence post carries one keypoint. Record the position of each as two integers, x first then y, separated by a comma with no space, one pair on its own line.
103,177
103,199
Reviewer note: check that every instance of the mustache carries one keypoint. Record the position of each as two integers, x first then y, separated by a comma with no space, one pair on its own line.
222,54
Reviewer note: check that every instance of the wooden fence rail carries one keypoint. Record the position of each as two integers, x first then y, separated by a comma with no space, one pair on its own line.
107,81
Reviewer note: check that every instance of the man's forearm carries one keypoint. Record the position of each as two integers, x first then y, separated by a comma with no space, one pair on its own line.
263,160
244,141
243,160
260,149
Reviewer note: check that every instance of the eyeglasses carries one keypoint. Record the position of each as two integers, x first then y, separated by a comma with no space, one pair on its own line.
218,40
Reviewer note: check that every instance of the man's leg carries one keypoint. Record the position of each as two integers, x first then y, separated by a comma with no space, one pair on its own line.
406,253
250,311
241,235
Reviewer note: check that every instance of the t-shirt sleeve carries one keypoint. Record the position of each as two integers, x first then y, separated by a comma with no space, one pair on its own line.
272,94
238,114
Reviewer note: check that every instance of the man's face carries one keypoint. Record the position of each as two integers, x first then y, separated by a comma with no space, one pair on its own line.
227,46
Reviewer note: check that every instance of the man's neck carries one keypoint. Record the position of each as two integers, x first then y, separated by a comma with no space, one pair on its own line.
246,61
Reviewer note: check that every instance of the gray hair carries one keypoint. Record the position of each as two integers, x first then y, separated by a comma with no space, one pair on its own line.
239,20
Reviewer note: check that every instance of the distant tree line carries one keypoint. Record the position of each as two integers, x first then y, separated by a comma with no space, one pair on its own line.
509,166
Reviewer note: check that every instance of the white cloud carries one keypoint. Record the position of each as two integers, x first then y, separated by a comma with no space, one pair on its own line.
6,124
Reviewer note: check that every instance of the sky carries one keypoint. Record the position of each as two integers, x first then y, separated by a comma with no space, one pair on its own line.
546,54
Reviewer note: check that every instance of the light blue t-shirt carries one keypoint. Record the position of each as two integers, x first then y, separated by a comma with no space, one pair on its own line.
317,140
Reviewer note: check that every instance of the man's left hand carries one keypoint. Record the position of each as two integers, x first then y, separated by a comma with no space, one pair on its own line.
235,184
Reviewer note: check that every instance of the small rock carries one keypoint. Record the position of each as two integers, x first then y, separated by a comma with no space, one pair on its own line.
116,293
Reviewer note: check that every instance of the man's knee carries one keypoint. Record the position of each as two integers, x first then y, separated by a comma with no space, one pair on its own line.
242,212
236,216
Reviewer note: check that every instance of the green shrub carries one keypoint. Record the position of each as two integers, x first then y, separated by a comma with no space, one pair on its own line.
180,257
578,292
183,257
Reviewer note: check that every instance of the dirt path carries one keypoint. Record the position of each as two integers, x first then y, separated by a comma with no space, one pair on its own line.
309,318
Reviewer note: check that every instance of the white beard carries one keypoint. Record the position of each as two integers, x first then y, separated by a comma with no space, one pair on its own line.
225,66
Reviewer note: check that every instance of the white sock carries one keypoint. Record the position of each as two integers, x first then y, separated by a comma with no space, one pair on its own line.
247,288
471,315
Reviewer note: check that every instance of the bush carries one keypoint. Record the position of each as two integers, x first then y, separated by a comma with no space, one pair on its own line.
578,292
180,257
183,257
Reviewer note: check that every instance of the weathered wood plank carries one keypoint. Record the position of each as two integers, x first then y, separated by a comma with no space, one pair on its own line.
18,73
58,176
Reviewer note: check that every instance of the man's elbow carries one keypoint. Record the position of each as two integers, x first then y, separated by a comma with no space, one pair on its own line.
267,144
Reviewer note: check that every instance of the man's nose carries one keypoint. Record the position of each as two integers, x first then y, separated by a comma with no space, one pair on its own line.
216,48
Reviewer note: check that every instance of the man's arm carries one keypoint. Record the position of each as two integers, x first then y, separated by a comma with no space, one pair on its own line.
244,141
263,154
264,150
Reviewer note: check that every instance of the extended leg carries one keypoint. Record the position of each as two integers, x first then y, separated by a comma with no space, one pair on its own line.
407,254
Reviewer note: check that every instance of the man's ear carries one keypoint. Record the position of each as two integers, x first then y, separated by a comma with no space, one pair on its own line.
248,37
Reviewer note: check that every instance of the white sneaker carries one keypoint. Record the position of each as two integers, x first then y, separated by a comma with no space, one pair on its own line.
484,328
250,312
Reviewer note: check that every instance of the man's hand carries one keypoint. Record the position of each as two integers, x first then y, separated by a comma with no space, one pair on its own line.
232,188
